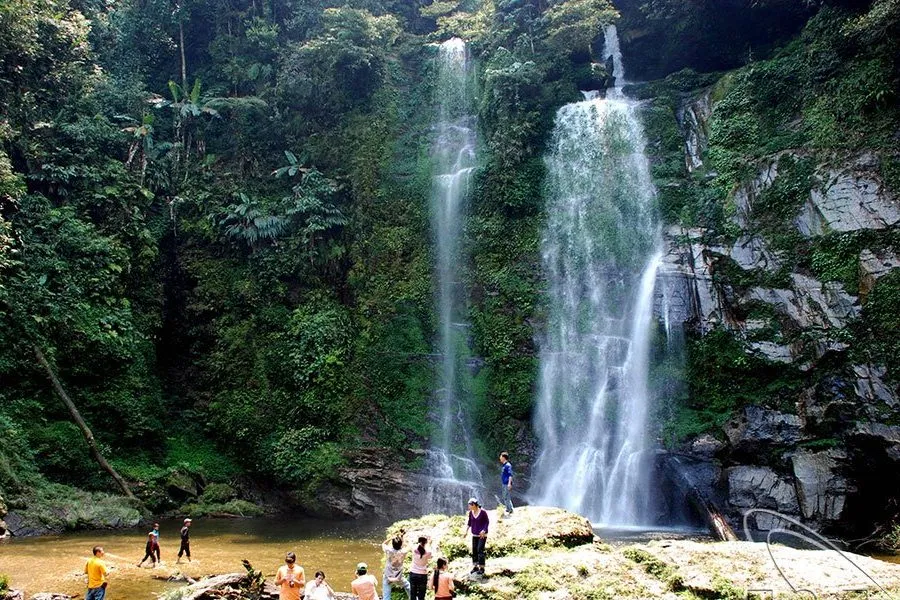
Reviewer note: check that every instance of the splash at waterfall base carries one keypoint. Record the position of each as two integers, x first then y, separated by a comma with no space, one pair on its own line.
552,554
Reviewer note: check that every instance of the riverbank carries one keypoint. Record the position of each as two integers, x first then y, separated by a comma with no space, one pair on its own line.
218,546
538,554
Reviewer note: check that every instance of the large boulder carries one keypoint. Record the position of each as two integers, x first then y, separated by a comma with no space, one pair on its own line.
850,198
757,428
810,303
878,435
821,489
871,387
530,527
761,487
751,252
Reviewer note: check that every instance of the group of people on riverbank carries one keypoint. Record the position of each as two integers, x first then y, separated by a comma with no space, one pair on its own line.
291,578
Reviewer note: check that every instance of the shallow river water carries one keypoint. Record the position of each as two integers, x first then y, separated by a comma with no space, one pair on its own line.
56,563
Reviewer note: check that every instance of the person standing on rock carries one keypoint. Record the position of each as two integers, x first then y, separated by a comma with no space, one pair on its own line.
506,474
364,585
96,572
478,522
185,548
418,573
393,566
290,578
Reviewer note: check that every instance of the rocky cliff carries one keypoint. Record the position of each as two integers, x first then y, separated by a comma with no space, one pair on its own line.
805,239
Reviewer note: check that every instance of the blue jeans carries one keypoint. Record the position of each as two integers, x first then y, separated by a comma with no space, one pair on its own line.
505,499
387,585
98,593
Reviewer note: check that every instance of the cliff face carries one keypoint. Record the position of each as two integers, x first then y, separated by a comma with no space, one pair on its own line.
781,265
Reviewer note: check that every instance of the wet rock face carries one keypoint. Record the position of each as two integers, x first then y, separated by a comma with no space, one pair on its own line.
761,487
821,489
759,428
693,117
375,484
849,198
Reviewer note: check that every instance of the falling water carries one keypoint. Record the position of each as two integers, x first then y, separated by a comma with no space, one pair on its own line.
601,251
454,161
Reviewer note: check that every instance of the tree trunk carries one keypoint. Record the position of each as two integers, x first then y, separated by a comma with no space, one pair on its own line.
85,430
184,87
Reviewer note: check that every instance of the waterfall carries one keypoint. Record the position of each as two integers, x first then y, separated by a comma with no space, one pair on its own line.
601,250
451,456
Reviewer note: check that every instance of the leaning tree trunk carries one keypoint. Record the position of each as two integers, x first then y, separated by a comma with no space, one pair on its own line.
85,430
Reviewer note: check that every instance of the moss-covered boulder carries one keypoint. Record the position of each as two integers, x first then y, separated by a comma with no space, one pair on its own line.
54,508
551,554
530,527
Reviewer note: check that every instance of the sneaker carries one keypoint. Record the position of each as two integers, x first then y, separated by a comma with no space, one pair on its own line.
474,570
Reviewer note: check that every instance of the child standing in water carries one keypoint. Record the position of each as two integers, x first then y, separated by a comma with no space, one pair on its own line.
185,541
156,533
151,550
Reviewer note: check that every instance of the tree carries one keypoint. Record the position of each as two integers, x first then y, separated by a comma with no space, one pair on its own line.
573,25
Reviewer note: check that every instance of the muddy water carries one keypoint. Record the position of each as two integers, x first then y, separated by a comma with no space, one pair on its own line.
56,563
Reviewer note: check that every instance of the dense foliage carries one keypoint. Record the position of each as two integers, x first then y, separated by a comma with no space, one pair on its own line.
213,219
213,224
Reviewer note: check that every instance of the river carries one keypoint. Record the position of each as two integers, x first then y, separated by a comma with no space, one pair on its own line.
55,563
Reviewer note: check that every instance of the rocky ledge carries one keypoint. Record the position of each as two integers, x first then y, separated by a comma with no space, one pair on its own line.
550,554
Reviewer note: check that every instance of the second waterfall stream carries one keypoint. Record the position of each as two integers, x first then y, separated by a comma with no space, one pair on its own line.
601,250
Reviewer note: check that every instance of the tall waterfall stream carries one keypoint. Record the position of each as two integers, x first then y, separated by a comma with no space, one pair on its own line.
450,460
601,250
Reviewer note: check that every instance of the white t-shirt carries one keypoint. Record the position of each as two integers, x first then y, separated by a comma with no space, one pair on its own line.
314,591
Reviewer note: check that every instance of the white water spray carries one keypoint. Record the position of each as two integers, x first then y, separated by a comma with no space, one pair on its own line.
601,251
450,459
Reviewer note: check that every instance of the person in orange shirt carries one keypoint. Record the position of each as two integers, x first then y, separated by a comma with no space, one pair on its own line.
443,582
96,571
290,578
364,584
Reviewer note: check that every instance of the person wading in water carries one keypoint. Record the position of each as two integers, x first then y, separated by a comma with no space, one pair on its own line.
185,541
151,550
96,571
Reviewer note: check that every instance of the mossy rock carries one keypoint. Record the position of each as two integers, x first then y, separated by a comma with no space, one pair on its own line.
530,528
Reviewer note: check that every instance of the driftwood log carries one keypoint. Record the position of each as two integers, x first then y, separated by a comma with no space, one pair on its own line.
228,587
678,475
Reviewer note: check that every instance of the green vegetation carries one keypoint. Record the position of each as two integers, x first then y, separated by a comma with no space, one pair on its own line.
655,567
214,224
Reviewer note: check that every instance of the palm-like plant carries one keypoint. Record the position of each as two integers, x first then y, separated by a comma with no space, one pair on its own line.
187,106
248,222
